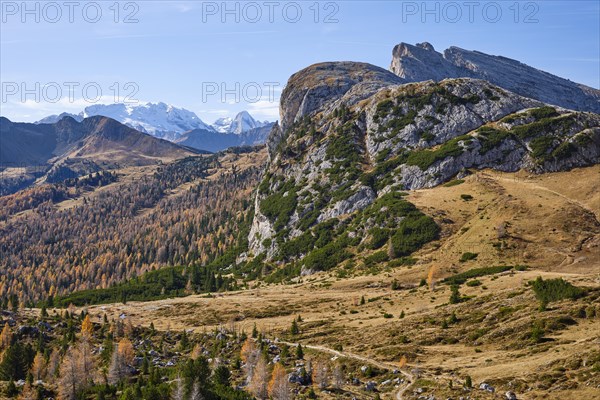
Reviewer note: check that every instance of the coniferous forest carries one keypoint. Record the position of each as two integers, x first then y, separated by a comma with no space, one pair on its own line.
180,216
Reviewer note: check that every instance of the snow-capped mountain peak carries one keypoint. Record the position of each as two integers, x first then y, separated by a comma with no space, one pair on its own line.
163,120
241,123
222,124
157,119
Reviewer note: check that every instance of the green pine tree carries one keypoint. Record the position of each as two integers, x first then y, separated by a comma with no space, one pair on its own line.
13,365
294,330
11,390
299,352
468,382
454,295
222,376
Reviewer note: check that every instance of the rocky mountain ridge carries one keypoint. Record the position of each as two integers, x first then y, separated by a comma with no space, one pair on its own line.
353,136
41,143
422,62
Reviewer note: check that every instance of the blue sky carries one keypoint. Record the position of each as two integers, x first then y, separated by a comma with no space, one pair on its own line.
183,53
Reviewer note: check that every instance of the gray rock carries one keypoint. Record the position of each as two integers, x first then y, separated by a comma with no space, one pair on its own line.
260,230
370,386
510,396
487,387
422,62
361,199
312,88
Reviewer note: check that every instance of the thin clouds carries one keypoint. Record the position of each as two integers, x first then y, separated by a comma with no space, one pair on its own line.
33,110
265,109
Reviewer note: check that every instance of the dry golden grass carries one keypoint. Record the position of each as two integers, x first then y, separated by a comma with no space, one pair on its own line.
546,227
550,224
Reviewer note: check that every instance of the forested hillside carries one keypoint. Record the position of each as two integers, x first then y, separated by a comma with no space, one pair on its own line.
65,237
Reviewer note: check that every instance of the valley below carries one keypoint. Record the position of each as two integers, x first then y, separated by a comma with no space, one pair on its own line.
362,320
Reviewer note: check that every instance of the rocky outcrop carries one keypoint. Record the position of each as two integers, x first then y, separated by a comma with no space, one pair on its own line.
358,201
261,228
451,108
316,87
422,62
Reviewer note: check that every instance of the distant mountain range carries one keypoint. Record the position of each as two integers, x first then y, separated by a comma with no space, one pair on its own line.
88,138
212,141
163,120
71,148
67,145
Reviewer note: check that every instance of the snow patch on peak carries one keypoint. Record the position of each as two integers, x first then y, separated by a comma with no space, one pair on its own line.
157,119
163,120
222,124
242,122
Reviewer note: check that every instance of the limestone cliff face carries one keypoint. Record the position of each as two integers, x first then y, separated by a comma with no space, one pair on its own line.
421,62
315,89
351,133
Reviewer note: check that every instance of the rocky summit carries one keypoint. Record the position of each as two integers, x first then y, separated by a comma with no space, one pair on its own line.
422,62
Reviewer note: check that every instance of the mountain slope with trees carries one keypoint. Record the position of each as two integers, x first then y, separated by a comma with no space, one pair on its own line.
84,237
351,136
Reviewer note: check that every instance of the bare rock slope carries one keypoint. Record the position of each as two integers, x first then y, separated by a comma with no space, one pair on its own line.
422,62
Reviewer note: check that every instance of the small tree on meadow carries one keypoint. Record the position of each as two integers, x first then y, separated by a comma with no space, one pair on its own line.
454,295
294,330
87,328
337,377
299,352
321,375
468,382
